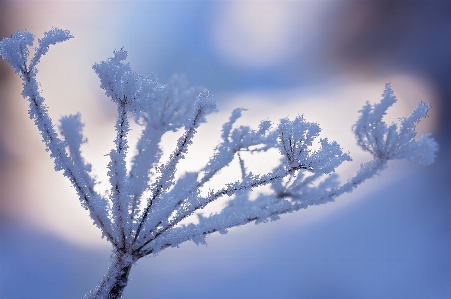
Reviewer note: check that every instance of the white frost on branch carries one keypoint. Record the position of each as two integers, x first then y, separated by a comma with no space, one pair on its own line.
146,205
389,142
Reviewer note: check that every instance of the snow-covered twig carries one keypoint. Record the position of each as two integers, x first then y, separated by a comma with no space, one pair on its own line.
137,225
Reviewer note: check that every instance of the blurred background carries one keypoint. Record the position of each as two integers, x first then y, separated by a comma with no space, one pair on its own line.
323,59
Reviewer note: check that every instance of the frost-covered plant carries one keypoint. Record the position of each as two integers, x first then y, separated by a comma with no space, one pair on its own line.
143,212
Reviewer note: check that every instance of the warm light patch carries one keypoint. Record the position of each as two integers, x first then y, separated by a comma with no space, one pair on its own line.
262,33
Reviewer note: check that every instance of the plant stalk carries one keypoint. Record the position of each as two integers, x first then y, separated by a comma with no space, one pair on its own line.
114,282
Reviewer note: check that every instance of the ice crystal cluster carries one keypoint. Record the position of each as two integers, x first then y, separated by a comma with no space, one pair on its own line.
143,211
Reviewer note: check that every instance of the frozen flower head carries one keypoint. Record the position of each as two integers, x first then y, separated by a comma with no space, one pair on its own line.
126,88
389,142
143,212
296,139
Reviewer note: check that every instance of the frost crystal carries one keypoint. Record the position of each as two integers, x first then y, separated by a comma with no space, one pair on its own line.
139,223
